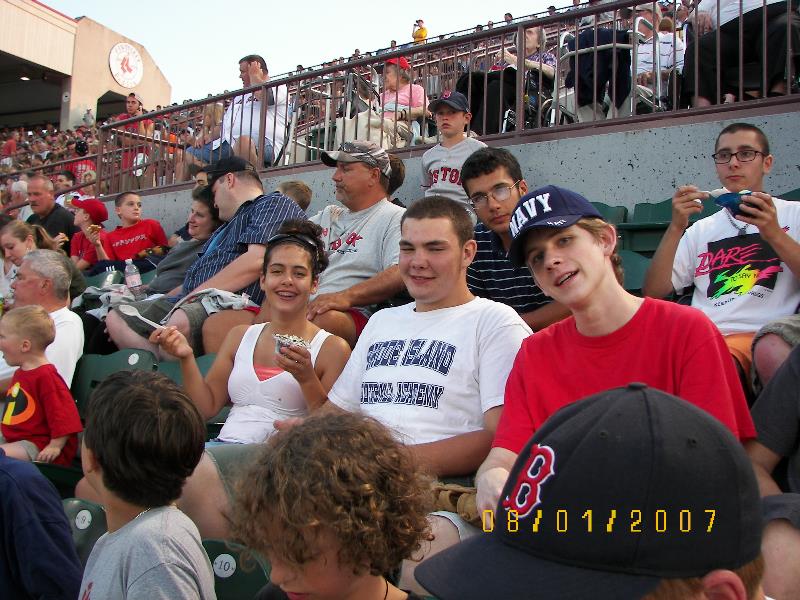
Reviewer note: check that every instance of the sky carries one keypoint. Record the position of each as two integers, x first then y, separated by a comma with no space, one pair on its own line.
197,44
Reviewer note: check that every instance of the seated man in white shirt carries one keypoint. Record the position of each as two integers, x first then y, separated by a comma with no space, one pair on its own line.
44,279
240,129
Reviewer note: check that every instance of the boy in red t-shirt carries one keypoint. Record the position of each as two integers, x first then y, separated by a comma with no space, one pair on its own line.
612,338
136,238
40,420
90,213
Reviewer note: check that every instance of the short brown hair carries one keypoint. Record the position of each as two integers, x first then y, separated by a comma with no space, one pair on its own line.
145,434
439,207
595,226
298,191
342,474
32,323
736,127
751,574
398,175
121,198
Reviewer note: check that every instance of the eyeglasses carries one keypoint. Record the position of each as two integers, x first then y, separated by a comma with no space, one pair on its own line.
724,156
501,193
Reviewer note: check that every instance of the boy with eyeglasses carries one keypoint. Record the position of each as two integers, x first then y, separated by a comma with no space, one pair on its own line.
744,266
492,180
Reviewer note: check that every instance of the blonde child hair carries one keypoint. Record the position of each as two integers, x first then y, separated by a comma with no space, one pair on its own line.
32,323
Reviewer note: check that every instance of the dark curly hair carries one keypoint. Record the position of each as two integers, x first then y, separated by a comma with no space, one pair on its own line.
340,474
301,228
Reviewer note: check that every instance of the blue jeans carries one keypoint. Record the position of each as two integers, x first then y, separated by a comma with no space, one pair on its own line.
207,155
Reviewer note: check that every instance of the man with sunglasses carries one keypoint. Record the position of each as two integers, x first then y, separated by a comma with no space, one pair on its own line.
744,264
492,179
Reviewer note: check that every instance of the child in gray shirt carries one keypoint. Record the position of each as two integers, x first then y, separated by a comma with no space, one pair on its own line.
143,438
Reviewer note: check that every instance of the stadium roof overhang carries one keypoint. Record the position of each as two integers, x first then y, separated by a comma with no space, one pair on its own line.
29,93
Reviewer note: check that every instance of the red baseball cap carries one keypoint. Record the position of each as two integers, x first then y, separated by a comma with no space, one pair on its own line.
96,209
400,61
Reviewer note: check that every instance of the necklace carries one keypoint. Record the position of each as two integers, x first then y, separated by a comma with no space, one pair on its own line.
386,593
141,513
742,230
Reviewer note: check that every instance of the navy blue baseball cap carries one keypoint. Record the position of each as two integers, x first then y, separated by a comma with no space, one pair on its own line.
611,495
455,100
548,206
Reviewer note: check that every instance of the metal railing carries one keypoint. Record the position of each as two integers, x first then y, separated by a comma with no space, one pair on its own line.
602,63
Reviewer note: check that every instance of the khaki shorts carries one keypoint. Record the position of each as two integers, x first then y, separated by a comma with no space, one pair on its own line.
787,328
29,447
231,460
157,309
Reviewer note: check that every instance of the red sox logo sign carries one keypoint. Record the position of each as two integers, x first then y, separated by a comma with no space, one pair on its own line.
526,494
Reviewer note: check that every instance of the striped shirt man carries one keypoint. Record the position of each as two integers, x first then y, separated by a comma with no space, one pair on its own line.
254,223
491,275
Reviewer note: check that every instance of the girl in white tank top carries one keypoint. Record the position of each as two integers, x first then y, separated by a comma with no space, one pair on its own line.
264,385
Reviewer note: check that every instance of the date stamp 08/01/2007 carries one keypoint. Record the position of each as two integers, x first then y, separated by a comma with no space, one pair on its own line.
634,521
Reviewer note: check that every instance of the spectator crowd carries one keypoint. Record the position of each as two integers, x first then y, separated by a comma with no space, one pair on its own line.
460,397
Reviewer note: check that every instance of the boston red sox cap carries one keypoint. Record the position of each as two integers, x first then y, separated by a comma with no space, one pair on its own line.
548,206
455,100
614,493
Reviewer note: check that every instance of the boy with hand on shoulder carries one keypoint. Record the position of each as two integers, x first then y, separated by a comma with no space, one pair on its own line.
90,214
135,238
40,420
143,438
441,165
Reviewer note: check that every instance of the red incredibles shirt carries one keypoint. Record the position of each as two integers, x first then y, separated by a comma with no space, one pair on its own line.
38,408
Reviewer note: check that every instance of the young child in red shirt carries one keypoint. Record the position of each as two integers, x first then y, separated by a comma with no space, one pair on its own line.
90,214
136,237
40,420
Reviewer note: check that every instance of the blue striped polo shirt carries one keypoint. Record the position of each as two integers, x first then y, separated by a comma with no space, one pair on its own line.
254,223
491,275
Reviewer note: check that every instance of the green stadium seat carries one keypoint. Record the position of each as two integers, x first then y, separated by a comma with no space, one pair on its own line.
612,214
87,521
105,279
635,266
642,233
94,368
235,578
148,277
63,478
172,369
791,195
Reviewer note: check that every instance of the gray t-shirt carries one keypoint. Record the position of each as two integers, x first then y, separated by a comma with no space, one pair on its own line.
158,555
360,244
171,271
441,169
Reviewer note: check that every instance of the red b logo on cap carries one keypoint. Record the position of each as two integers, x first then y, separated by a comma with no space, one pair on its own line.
526,494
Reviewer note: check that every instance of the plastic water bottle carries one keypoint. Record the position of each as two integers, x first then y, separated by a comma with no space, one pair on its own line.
133,280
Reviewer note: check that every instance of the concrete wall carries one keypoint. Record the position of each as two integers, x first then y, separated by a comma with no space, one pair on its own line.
38,34
92,76
621,168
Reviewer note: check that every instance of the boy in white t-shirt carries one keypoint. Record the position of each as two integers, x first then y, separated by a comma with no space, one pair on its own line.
745,267
434,371
441,165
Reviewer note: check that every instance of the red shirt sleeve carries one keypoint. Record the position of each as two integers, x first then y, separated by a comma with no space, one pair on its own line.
156,233
516,424
59,406
709,379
